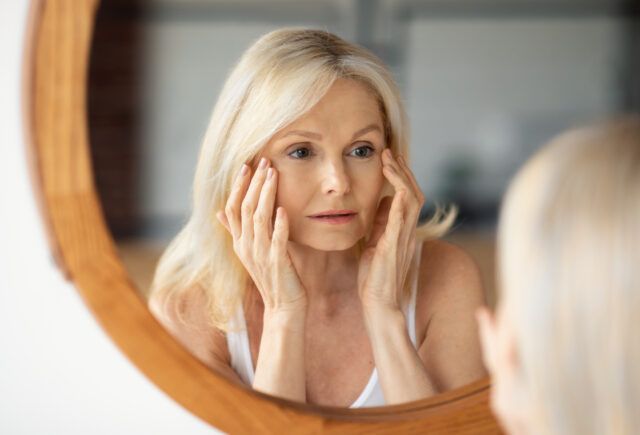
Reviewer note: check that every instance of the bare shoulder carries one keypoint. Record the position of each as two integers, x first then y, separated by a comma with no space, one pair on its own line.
449,291
447,275
186,319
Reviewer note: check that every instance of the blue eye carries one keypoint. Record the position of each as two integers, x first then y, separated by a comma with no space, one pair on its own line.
362,152
368,151
300,153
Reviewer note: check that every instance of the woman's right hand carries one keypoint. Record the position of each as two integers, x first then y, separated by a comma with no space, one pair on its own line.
261,245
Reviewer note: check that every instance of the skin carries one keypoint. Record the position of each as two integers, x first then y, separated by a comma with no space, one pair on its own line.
341,171
501,358
318,319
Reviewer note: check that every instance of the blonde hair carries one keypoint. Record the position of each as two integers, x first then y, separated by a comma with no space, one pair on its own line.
278,79
569,252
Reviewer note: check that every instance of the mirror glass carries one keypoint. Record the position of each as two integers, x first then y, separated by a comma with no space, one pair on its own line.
485,84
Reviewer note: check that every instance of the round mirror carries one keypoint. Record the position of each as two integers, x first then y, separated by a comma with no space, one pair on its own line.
148,107
150,101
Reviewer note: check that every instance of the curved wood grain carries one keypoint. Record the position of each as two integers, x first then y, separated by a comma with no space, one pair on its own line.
55,99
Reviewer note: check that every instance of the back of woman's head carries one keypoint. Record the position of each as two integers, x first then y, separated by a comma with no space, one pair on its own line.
277,80
569,244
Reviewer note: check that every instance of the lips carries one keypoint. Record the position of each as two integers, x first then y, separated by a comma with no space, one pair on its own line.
335,219
334,213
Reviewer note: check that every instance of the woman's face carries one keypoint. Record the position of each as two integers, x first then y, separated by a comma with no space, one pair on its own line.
329,159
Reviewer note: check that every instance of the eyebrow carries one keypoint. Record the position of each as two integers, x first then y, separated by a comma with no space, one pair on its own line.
317,136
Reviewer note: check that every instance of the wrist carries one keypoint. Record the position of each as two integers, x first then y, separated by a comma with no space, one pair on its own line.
279,321
377,316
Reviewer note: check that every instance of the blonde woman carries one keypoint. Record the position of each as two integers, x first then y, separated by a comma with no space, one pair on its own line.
563,349
301,272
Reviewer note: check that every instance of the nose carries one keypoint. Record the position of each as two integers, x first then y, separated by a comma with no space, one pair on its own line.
336,179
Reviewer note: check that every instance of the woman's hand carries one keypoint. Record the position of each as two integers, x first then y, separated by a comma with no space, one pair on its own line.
388,252
260,244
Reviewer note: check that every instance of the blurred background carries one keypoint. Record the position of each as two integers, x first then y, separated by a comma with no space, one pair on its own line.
486,82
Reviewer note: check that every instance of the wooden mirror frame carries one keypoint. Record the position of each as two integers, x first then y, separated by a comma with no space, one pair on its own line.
55,96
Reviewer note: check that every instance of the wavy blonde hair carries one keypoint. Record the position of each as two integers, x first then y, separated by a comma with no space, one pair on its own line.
278,79
569,244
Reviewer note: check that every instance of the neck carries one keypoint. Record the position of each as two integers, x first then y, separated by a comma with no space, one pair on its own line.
329,279
325,275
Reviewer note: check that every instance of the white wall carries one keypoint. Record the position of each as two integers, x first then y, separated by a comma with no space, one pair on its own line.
59,373
495,89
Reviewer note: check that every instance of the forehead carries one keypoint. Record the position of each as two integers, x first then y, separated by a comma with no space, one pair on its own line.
348,106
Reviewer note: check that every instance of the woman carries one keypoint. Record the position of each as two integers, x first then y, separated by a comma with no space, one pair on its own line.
564,350
360,309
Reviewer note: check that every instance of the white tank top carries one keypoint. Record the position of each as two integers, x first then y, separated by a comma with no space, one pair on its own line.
238,344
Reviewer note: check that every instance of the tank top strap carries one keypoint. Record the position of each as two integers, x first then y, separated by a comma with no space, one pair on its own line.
238,345
410,310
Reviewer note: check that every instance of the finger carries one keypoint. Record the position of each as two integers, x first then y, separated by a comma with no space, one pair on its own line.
401,178
222,218
280,234
388,245
395,222
232,206
412,179
250,201
390,162
396,177
262,221
380,221
402,181
401,185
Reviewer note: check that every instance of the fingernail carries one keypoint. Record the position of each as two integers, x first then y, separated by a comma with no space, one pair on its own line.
263,163
387,151
269,173
244,169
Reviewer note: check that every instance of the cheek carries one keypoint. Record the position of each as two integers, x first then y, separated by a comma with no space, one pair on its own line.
370,186
290,192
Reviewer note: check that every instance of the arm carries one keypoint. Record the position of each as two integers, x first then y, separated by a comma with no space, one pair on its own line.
448,354
206,343
402,374
261,244
280,367
450,348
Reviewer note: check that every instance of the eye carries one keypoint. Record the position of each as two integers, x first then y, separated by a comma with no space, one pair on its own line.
364,151
300,153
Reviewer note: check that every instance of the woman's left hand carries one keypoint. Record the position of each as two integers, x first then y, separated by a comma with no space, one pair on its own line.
388,252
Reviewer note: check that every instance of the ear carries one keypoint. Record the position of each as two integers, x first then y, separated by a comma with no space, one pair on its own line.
488,337
499,347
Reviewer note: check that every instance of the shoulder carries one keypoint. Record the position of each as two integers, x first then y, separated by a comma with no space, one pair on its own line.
450,291
449,282
185,318
444,265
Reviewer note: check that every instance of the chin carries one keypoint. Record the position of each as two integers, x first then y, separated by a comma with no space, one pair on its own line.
329,243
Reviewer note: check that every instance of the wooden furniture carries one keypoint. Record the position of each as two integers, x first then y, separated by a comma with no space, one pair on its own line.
55,101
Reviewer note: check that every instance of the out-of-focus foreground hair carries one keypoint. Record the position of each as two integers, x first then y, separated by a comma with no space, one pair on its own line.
277,80
569,271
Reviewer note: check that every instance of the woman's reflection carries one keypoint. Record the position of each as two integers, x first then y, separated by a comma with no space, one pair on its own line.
301,271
